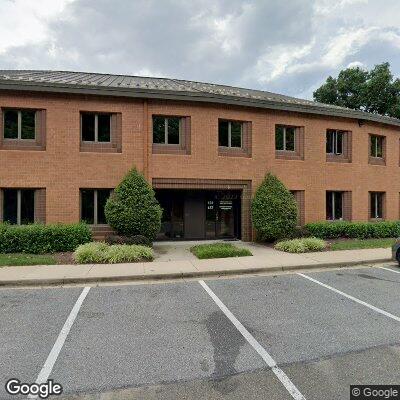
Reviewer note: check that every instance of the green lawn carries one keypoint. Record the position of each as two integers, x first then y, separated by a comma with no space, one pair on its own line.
218,250
26,259
352,244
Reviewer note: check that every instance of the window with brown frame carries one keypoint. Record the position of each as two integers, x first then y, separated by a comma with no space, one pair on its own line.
377,149
338,206
100,132
22,206
376,205
338,145
289,142
171,134
234,138
93,202
22,129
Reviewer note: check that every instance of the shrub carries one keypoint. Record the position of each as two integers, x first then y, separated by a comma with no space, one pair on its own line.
133,209
40,239
274,210
100,252
301,245
357,230
121,239
218,250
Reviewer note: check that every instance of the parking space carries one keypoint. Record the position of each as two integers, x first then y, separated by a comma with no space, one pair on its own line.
173,340
30,321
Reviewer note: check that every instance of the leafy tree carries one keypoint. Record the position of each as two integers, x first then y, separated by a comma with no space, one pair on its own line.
133,209
274,210
375,91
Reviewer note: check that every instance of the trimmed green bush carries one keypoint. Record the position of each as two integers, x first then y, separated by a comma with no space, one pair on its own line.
133,209
301,245
100,252
218,250
41,239
356,230
274,210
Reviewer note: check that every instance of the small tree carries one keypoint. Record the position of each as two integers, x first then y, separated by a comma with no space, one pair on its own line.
133,209
274,210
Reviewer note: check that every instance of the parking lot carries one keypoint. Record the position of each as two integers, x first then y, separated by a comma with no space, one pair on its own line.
275,337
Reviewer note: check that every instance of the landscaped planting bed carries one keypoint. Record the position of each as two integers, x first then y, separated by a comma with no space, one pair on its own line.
218,250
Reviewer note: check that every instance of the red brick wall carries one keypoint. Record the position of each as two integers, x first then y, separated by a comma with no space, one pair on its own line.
62,169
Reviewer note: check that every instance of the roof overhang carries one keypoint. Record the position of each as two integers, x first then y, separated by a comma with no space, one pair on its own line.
195,96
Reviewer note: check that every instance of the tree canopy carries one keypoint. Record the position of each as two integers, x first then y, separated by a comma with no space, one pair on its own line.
375,91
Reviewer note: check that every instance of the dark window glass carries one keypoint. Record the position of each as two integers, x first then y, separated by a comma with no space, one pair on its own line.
376,205
102,196
290,138
223,133
28,124
330,139
236,134
339,143
338,206
104,127
279,137
88,121
173,130
87,206
27,206
158,129
334,205
10,124
10,204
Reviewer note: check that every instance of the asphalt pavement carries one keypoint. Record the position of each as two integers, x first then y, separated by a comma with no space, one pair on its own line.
262,337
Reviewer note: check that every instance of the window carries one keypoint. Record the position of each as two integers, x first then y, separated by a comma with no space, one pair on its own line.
377,143
167,130
285,138
93,202
19,206
334,141
96,127
334,206
376,201
230,133
19,124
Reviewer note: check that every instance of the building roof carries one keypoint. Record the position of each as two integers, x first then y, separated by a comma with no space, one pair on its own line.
173,89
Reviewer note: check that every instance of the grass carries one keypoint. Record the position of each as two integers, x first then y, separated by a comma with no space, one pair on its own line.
353,244
218,250
26,259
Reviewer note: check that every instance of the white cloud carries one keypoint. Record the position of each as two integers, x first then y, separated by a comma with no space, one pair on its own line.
287,47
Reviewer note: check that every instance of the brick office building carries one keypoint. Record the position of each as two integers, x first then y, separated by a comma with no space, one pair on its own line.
68,138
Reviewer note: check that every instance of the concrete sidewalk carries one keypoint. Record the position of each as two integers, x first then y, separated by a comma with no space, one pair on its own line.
263,260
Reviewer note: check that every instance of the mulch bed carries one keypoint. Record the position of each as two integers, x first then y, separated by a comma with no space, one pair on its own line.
64,258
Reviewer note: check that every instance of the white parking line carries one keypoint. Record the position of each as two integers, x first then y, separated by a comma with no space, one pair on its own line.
287,383
55,351
391,270
378,310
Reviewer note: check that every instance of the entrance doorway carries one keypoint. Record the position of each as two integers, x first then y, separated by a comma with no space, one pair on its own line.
200,214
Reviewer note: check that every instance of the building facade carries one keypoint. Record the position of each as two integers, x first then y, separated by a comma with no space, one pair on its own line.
67,139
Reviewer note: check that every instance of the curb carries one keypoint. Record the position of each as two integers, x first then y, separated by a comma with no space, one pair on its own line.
179,275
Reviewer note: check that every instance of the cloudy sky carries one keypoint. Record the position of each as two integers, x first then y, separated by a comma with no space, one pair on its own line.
288,47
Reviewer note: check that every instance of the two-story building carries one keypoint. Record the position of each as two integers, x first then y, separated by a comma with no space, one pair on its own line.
67,139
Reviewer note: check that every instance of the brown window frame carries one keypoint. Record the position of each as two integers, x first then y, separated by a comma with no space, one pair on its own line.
39,205
19,143
298,152
95,204
114,145
346,206
299,196
183,148
371,207
345,155
232,151
374,160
